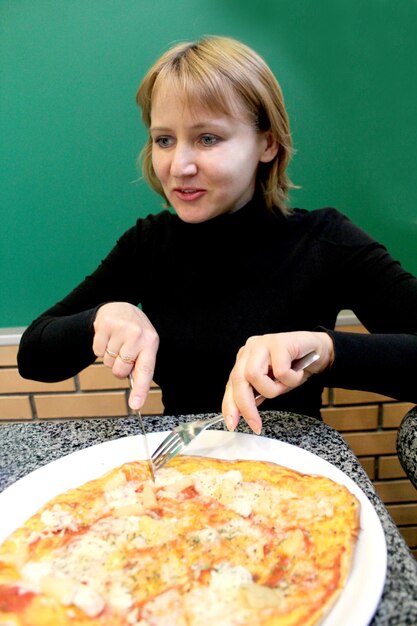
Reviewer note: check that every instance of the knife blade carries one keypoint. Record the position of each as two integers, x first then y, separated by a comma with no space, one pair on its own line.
145,439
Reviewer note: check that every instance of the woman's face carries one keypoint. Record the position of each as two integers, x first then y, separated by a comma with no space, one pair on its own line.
205,162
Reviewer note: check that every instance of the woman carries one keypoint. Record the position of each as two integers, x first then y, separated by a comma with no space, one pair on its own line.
234,286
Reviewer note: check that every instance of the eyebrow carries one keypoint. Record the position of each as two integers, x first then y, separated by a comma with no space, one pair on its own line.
196,126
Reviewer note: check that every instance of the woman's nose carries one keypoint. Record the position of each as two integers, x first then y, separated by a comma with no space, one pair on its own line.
183,162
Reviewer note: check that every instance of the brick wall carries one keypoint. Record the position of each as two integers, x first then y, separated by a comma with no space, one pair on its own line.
367,421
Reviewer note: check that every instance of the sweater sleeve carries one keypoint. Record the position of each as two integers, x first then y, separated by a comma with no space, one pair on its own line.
383,295
381,363
58,344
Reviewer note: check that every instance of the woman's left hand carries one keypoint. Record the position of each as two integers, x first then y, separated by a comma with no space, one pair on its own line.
263,366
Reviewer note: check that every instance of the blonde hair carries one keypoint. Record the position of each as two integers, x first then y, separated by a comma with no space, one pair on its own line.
222,75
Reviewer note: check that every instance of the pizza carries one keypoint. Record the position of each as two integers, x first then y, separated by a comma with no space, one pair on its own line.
211,542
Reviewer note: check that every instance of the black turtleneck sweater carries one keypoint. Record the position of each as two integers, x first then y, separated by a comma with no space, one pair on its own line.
207,287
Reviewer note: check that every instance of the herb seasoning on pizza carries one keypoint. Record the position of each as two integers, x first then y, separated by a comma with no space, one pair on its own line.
211,542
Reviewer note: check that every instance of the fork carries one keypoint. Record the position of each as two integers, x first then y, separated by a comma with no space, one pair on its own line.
179,438
184,433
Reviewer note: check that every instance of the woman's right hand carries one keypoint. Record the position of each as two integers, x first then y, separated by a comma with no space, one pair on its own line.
128,342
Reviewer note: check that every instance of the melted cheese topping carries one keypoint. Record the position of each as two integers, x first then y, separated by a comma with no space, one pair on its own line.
207,546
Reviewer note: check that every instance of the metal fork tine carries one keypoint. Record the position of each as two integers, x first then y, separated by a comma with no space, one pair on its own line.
179,438
172,437
174,444
164,456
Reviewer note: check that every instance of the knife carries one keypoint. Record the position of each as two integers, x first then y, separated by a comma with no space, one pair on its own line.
142,427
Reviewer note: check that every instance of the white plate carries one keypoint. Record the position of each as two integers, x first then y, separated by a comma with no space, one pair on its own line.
360,598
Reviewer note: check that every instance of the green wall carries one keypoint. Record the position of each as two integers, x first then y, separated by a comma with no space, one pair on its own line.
70,130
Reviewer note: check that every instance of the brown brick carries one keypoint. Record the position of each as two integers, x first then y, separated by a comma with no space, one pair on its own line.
392,491
351,418
12,382
366,444
15,408
106,404
390,467
410,535
350,396
153,404
8,355
392,414
100,377
325,397
368,464
353,328
403,514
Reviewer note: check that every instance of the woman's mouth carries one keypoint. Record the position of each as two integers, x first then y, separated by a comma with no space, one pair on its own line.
189,194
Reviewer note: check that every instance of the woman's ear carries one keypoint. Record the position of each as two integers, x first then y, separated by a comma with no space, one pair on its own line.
271,146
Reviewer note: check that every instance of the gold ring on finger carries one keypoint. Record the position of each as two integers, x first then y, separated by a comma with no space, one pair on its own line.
127,358
111,353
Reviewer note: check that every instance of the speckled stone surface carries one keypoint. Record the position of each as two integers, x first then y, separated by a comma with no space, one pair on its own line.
407,445
25,447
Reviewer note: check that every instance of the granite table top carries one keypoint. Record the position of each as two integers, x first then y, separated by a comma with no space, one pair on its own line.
25,447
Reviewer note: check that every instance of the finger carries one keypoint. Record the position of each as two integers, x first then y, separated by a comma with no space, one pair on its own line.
124,363
250,414
143,372
229,409
100,342
259,399
253,367
285,377
244,399
109,357
127,353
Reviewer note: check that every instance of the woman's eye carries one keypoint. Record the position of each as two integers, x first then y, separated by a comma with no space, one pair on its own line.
163,142
209,140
